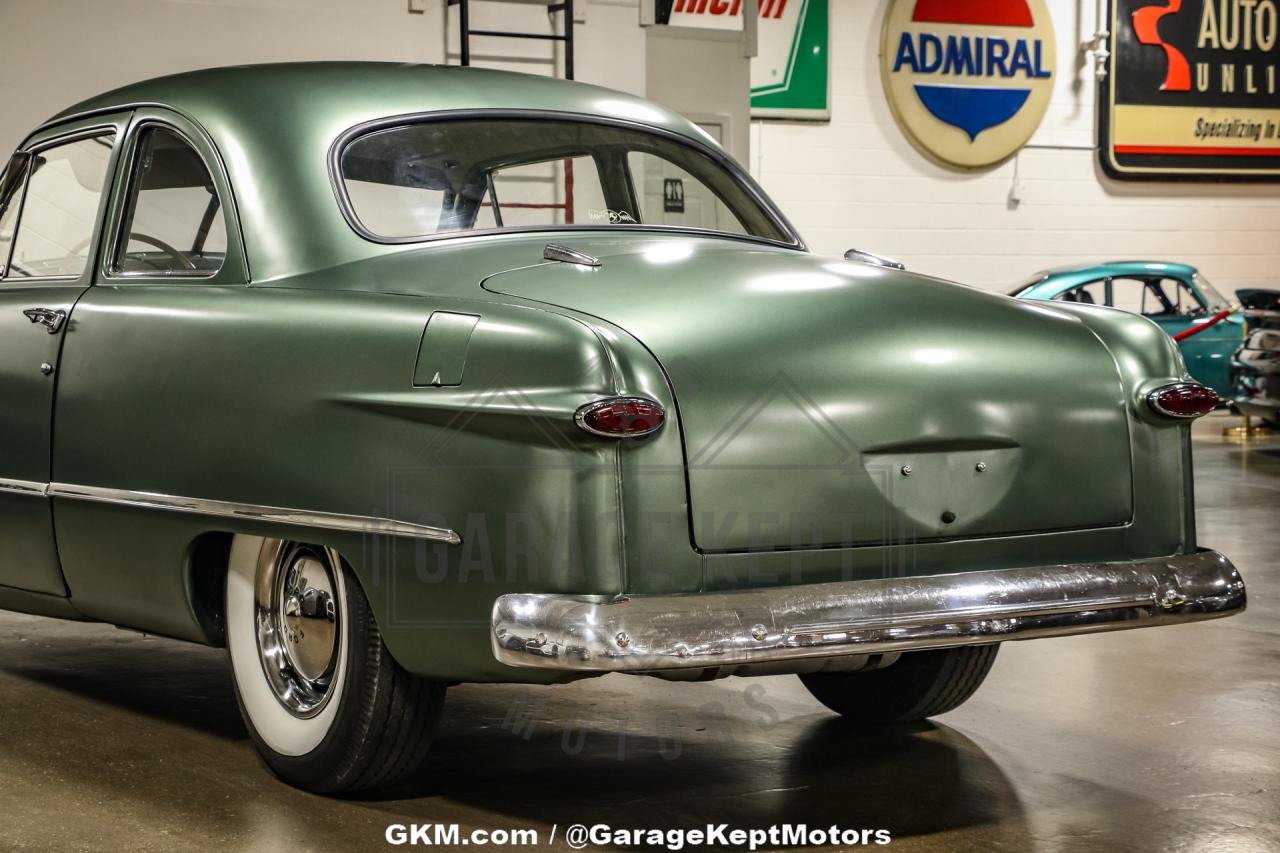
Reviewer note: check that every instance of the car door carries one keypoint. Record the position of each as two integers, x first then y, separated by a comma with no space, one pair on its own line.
55,196
168,278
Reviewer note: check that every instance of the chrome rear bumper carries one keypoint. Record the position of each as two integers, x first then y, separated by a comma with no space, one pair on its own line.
651,633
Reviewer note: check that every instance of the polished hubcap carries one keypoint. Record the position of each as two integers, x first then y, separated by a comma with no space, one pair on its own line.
299,624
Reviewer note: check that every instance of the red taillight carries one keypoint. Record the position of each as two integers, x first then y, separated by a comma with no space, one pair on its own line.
621,417
1183,400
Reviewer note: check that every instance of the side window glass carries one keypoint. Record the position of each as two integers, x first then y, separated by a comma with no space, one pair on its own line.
12,187
669,195
1181,297
1139,296
173,222
1093,293
60,209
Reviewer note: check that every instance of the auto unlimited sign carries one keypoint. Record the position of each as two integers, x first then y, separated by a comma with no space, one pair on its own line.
1194,90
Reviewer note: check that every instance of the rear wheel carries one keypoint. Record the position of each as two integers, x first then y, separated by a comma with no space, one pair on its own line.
324,702
918,685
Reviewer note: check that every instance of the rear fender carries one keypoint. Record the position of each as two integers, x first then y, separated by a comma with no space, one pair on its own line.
1146,357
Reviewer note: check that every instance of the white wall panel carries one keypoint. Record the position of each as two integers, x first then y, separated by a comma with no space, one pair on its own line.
858,182
853,182
56,52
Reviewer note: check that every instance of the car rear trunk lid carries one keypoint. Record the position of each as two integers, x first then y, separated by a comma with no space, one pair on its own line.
828,404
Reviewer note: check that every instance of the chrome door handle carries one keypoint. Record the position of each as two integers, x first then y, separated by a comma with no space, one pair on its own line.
52,320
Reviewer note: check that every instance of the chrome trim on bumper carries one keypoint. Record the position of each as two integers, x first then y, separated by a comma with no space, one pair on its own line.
252,512
648,633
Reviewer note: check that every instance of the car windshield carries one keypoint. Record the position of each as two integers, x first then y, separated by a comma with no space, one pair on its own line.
414,181
1217,301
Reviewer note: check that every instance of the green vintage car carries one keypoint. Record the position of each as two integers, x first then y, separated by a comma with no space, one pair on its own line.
389,377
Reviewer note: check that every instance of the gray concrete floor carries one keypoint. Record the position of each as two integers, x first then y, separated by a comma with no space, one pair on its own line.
1161,740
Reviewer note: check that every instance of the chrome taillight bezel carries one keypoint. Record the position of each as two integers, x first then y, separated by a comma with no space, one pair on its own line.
584,411
1157,406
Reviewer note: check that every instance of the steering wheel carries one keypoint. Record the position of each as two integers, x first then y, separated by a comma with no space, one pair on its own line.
182,259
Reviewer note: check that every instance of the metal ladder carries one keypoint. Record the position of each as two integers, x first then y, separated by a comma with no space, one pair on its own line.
565,7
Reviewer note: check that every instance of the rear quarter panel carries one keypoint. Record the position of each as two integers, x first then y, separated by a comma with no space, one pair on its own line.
304,399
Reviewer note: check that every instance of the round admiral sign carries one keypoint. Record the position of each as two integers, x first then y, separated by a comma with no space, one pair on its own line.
968,80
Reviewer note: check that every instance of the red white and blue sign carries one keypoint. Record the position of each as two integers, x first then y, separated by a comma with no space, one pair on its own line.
968,80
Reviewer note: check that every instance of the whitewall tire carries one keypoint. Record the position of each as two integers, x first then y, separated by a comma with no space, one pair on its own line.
325,703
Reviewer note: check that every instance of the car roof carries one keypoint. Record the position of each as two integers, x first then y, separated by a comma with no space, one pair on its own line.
275,124
365,90
1123,268
1072,274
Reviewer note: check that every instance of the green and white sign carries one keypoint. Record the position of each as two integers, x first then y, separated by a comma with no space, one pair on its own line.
790,78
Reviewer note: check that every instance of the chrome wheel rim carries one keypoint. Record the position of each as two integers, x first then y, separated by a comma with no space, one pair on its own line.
299,623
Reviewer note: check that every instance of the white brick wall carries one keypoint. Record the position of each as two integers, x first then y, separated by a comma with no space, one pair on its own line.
858,182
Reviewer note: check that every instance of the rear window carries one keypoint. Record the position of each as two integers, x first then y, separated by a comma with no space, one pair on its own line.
416,181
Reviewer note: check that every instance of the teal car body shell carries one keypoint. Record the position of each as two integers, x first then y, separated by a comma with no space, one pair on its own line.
1208,355
797,393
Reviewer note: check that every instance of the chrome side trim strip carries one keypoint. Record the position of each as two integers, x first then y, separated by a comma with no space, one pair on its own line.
23,487
253,512
724,629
